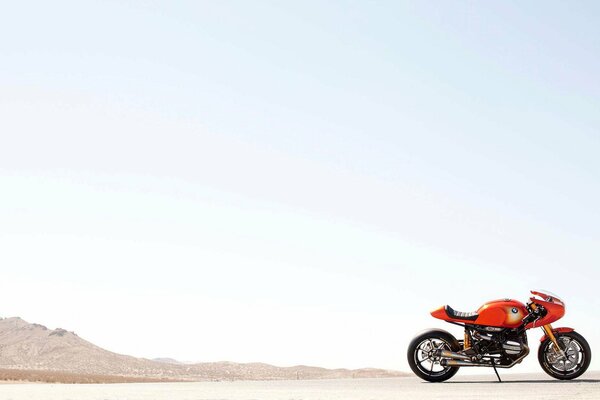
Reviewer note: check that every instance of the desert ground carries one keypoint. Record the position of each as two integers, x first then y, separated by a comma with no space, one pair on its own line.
515,386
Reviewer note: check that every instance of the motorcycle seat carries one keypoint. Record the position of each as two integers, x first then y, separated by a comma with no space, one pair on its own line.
469,316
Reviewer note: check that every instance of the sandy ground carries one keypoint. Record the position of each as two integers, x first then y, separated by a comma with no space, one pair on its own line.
515,386
40,376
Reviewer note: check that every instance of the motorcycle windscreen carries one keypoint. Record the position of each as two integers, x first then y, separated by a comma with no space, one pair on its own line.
548,296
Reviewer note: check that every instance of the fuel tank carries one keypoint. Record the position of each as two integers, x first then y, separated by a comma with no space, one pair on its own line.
504,313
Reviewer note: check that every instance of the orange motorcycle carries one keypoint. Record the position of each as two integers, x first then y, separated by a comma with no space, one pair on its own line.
495,336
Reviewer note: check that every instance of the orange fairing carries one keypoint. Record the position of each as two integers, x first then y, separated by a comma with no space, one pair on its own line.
555,311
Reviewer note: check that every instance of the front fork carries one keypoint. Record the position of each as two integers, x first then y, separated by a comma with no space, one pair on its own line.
548,330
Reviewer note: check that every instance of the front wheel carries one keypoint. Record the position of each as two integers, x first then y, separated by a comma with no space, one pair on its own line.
576,359
422,359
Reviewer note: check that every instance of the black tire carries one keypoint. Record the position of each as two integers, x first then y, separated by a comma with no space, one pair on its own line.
577,349
417,364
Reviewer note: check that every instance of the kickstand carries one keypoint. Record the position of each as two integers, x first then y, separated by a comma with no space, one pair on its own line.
495,370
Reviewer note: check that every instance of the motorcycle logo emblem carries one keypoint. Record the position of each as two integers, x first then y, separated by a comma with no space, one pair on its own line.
514,310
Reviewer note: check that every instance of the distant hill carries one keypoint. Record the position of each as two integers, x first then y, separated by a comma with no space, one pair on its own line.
60,355
168,360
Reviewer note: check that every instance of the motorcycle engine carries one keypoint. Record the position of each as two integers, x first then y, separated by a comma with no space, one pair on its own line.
506,344
512,348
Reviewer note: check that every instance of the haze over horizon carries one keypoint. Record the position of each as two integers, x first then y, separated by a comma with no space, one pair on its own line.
295,183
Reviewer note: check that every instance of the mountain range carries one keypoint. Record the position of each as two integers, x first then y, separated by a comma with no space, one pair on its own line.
33,352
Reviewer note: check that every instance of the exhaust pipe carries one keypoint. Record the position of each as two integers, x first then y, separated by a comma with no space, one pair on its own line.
462,363
452,355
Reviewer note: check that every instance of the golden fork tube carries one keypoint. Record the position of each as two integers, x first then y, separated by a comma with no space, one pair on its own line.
467,341
550,334
548,329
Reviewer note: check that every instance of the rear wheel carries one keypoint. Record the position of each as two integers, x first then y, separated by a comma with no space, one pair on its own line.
576,359
422,359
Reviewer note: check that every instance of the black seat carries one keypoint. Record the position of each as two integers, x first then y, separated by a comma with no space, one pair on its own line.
469,316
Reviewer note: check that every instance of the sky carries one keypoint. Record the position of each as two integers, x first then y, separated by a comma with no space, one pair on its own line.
295,182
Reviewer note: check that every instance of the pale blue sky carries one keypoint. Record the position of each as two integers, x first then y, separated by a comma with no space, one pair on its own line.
295,182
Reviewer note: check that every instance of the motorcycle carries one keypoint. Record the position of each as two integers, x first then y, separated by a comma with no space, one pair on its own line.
495,336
